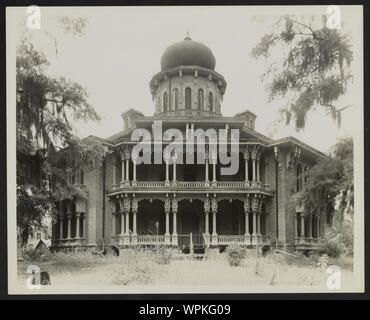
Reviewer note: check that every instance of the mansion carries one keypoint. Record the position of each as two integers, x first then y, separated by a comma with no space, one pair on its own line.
184,205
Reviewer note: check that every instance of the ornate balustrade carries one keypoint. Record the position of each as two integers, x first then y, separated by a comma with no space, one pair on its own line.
191,185
74,242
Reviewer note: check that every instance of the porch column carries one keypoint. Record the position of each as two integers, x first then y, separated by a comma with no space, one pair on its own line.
258,168
254,154
60,220
174,227
134,208
127,224
127,169
114,171
206,217
259,223
167,208
214,212
254,216
134,172
69,217
214,181
122,223
318,226
83,225
207,173
78,216
302,226
167,182
113,223
246,162
174,172
122,169
310,235
247,209
296,225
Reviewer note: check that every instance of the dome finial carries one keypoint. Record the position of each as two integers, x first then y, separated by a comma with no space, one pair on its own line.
187,36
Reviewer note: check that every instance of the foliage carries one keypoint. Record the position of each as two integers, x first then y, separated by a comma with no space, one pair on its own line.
36,255
329,185
46,145
335,244
163,255
235,254
34,204
138,268
315,67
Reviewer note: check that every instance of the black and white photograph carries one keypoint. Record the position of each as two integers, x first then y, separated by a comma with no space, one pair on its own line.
185,149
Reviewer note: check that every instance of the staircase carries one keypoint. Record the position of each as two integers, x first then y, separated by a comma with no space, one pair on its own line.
197,250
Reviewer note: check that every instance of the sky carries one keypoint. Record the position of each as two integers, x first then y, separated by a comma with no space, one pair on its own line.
122,46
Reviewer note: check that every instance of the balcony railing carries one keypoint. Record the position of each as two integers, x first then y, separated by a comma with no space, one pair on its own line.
191,185
307,241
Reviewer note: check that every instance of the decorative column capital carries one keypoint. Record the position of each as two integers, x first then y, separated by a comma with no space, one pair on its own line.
134,205
247,205
246,153
175,205
255,204
124,204
207,205
214,205
167,205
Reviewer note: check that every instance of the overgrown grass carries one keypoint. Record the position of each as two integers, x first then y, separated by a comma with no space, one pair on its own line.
157,266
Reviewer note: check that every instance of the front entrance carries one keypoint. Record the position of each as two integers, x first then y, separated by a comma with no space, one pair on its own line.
191,222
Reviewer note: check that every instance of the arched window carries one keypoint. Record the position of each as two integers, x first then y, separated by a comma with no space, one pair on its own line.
299,177
200,99
165,101
210,101
187,98
175,99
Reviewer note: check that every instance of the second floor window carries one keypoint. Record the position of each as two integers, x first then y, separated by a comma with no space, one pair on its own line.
210,101
200,99
187,98
165,101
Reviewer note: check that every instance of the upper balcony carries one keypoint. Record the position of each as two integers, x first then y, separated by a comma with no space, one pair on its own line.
192,186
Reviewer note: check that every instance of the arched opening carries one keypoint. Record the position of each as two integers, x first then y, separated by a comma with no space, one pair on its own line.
151,219
230,217
165,101
200,99
187,98
175,99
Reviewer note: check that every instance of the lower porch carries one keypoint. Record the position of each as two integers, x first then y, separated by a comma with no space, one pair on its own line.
186,223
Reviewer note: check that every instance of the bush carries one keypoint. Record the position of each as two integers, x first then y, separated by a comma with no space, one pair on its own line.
137,267
333,244
163,255
236,253
38,255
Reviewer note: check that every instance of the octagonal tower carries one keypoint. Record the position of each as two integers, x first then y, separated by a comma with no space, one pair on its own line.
188,84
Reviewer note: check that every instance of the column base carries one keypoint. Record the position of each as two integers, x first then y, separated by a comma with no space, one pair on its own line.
174,183
254,184
134,239
206,183
167,239
214,240
134,183
247,239
246,184
254,239
174,240
214,183
167,183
